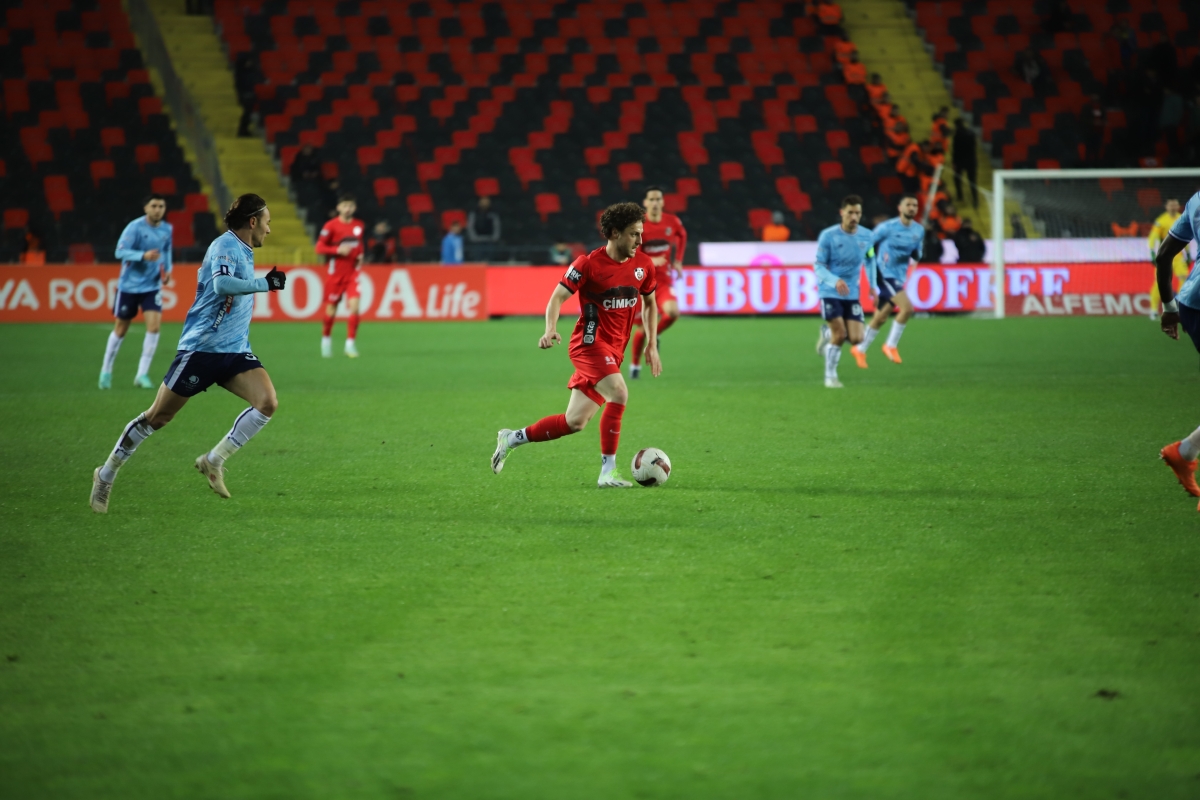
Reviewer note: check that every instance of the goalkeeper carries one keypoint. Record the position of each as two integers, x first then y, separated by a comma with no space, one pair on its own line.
1181,266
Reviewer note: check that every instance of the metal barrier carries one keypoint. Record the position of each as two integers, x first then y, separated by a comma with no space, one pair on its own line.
183,107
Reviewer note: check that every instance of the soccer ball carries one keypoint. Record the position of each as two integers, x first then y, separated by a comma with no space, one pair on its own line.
651,467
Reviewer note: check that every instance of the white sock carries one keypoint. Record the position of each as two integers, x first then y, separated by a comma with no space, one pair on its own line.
149,345
607,464
895,333
1189,448
833,354
134,434
248,423
518,438
868,336
110,352
326,340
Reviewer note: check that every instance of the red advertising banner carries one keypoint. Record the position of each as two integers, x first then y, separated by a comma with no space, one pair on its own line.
525,290
1078,289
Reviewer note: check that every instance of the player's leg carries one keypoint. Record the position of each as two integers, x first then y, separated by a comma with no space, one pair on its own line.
582,406
882,312
833,350
352,323
1181,456
1155,299
164,408
327,328
153,317
123,315
255,387
616,393
904,312
668,312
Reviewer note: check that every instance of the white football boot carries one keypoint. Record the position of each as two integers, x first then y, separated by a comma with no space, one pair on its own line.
502,450
100,492
833,383
351,350
326,348
613,480
215,475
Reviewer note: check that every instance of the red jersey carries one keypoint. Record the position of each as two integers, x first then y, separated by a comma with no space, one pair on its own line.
608,299
664,239
334,235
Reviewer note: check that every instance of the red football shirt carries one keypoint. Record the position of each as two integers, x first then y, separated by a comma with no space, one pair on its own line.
664,239
608,299
334,235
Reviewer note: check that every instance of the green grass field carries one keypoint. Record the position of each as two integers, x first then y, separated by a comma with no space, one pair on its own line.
911,588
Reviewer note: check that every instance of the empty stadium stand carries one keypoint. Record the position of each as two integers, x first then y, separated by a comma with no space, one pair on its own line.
84,137
562,108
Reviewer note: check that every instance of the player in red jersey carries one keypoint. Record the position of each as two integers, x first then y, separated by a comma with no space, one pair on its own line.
342,240
609,280
664,240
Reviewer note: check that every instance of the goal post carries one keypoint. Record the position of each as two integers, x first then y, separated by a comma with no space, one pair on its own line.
1087,217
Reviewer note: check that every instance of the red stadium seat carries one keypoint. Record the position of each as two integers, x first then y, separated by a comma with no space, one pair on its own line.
412,236
148,106
547,203
15,218
675,203
112,137
428,171
731,171
196,202
837,140
419,204
145,154
369,157
759,218
385,188
452,216
688,187
830,170
871,155
101,170
890,186
629,172
487,187
164,185
1110,185
58,194
528,172
1149,199
587,188
595,157
81,254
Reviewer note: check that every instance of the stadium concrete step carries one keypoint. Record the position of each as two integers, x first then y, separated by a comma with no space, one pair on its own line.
246,166
889,43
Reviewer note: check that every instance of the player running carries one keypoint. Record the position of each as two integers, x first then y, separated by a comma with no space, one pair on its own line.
841,251
1184,309
609,280
342,240
664,239
896,242
214,348
144,251
1158,234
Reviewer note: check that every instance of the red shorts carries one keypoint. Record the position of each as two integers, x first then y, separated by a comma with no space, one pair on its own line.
590,369
665,293
339,284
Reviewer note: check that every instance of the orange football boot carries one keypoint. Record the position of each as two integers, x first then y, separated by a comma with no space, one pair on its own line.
1184,470
892,353
860,357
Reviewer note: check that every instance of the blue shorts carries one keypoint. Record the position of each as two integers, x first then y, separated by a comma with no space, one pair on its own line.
889,288
193,372
1189,320
841,309
127,303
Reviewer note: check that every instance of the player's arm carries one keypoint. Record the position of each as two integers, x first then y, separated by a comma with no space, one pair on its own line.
1167,251
553,309
168,262
677,267
650,326
125,245
325,245
821,267
226,284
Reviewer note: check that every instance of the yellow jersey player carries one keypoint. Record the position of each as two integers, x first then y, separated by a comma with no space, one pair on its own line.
1181,266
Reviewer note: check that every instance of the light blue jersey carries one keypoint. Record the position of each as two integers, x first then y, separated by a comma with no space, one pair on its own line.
219,319
139,236
840,256
895,243
1184,230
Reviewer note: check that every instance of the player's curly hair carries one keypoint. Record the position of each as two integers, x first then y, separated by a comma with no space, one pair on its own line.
618,217
243,210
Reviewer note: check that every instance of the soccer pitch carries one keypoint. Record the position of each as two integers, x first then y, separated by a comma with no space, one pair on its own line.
965,576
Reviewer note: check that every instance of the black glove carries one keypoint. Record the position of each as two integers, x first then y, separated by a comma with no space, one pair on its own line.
276,280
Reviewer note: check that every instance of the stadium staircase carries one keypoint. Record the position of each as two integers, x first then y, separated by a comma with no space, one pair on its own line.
198,55
889,44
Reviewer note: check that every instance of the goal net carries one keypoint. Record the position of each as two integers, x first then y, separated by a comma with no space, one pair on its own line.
1078,242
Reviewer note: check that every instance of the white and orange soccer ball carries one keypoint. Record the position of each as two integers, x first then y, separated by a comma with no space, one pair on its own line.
651,467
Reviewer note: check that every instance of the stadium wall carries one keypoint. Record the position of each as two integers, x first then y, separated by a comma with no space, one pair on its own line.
66,293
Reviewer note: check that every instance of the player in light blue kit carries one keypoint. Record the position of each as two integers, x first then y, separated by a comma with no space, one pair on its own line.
214,348
896,242
144,251
841,252
1181,309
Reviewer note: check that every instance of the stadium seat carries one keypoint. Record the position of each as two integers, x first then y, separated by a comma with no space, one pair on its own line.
164,185
759,218
629,172
731,171
101,170
587,188
16,218
412,236
145,154
1149,199
830,171
452,216
385,188
547,203
81,253
369,157
58,194
487,187
419,204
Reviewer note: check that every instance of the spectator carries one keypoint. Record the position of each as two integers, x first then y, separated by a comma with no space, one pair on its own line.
909,166
854,71
1093,119
939,132
452,245
306,167
32,253
969,243
483,227
964,159
1018,227
246,77
829,14
381,245
775,230
876,89
1031,69
560,254
931,251
843,48
1126,40
949,221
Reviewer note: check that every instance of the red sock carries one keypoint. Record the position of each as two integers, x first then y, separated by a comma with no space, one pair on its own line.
639,344
665,323
548,429
327,326
352,326
610,428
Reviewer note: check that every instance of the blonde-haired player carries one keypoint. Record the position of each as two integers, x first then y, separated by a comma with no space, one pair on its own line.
1181,266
